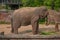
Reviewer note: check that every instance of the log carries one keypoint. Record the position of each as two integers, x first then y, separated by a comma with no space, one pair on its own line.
29,37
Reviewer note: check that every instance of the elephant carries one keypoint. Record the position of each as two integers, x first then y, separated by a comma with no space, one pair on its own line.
54,17
28,16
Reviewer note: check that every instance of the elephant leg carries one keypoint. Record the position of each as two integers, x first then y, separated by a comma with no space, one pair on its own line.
47,21
12,29
56,27
35,27
16,30
16,25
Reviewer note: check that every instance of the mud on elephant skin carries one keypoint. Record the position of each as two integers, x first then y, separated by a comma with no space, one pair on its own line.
26,16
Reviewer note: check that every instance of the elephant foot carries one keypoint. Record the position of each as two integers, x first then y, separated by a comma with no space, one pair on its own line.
35,33
56,27
46,24
16,31
56,30
12,31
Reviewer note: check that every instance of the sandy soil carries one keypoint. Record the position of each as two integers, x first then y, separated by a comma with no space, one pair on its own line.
6,28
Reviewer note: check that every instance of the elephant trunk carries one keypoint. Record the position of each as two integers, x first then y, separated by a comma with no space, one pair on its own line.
47,22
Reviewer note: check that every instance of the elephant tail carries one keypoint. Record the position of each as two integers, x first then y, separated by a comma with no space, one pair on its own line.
12,29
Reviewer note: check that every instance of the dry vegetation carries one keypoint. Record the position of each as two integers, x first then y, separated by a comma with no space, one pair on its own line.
46,30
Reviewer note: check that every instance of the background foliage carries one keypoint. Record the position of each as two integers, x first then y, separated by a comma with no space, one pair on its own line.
36,3
51,4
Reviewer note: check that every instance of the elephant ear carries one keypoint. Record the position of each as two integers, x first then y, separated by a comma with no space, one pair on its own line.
41,11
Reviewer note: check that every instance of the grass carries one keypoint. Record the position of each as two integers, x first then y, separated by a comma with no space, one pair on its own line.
3,22
47,33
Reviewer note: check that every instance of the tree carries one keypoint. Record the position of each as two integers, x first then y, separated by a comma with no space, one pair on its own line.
32,3
57,4
52,4
49,3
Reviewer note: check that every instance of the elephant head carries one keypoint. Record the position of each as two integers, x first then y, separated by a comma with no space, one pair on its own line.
42,12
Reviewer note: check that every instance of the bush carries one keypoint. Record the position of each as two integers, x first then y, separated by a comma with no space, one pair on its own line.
41,21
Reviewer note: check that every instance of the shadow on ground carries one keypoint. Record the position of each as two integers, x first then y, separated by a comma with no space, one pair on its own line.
40,30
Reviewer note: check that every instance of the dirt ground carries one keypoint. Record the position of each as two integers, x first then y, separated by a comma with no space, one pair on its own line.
6,28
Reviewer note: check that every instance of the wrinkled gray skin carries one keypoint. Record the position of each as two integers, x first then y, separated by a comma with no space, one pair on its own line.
26,16
53,16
